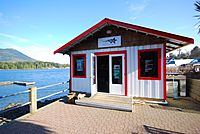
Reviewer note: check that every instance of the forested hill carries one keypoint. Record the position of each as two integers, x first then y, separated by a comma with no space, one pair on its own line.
31,65
13,59
12,55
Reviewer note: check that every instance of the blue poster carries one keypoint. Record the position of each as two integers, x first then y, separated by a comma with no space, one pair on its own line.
116,71
79,64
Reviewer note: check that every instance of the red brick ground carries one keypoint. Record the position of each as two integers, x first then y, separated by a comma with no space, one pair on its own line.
66,118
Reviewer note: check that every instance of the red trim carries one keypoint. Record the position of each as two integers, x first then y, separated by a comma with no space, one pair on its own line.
74,55
129,26
110,52
80,36
164,73
125,59
159,64
70,84
126,76
152,31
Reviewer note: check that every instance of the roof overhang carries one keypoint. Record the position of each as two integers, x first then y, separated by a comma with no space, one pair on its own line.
173,41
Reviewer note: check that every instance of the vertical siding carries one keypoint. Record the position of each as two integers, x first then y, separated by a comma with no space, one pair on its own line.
83,84
143,88
136,88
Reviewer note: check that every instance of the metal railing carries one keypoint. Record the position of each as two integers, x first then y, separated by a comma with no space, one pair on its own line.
33,96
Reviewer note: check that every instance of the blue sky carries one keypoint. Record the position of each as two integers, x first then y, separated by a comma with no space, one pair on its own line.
38,27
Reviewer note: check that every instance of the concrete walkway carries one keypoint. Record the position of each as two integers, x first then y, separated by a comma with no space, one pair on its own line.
67,118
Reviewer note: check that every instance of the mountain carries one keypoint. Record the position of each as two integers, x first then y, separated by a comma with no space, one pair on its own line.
12,55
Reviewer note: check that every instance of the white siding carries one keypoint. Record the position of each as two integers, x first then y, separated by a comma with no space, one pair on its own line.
83,84
143,88
136,88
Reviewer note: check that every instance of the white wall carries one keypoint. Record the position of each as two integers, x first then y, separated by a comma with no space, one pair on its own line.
143,88
83,84
136,88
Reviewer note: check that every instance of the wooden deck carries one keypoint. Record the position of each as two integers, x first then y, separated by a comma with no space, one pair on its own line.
107,101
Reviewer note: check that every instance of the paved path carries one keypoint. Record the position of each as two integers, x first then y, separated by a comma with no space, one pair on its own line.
66,118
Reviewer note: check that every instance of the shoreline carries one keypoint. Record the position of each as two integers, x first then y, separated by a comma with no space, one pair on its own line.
35,69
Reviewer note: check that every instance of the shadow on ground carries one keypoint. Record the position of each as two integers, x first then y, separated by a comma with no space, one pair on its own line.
18,127
154,130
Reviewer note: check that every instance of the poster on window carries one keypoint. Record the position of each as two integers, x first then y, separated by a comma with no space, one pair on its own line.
79,63
116,72
148,65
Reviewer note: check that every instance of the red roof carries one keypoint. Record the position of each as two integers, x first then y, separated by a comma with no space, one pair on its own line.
176,40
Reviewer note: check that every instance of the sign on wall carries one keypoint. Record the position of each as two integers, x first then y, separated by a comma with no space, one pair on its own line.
79,64
109,41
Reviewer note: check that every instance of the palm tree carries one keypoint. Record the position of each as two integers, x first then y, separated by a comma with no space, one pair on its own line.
197,6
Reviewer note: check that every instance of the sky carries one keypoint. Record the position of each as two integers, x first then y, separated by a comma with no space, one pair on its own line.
39,27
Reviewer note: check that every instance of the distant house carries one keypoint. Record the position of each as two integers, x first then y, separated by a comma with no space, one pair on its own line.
121,58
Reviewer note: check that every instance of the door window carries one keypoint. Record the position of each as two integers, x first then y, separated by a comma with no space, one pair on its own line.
117,70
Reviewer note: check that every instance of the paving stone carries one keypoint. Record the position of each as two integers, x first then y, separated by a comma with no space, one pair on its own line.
68,118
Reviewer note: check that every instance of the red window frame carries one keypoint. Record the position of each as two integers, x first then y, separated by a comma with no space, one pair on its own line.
84,58
158,50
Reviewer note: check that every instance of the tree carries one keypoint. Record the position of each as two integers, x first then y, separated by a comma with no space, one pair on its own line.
195,52
197,8
171,56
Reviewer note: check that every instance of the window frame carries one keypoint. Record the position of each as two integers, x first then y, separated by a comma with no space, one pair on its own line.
158,50
73,61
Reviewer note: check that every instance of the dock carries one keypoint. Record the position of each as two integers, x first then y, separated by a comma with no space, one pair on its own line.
6,83
23,83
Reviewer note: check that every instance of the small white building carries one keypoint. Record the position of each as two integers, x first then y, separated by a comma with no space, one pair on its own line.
121,58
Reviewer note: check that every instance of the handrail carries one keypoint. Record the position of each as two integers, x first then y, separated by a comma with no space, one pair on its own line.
62,91
14,94
28,91
52,85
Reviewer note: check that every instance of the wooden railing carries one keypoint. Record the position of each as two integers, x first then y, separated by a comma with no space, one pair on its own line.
33,96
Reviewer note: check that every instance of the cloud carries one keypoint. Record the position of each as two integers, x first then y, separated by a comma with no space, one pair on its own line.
35,50
5,44
43,54
20,39
135,8
40,53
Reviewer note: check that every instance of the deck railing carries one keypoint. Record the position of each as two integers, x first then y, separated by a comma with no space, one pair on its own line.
33,96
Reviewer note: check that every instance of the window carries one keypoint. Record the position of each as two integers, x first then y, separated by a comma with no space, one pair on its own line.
117,70
79,65
149,64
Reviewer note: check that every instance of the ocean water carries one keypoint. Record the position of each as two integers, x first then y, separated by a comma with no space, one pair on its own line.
41,77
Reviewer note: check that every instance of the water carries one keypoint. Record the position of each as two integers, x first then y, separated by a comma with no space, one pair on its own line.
42,77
